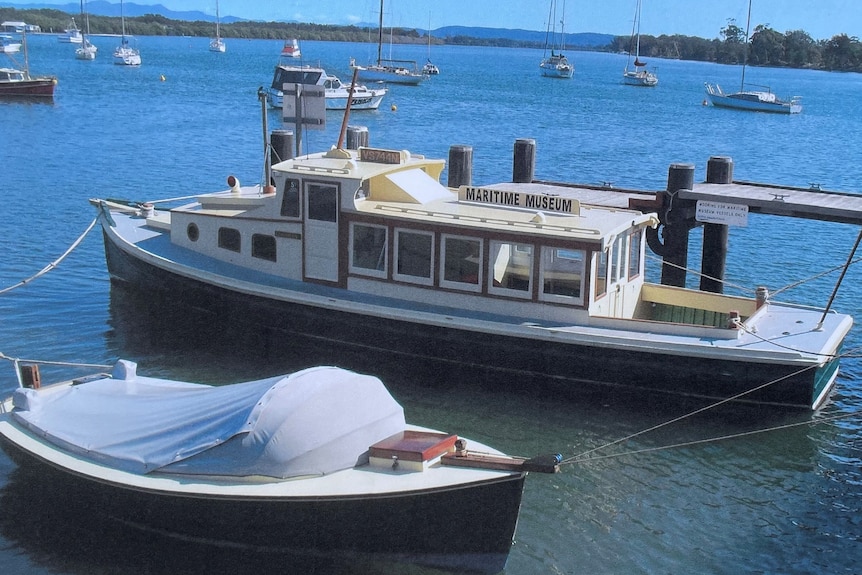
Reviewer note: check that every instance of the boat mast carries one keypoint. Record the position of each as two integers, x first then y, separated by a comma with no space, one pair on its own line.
638,41
745,56
218,34
380,35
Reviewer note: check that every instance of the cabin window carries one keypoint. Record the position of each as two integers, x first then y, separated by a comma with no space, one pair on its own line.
229,239
322,203
290,198
368,249
602,273
263,247
635,253
617,260
462,263
414,256
562,274
193,232
511,269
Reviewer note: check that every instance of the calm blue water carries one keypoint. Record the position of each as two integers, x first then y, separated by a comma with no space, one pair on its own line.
784,502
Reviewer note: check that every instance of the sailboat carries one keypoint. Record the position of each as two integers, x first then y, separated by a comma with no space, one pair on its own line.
752,100
86,51
556,65
387,69
217,44
125,55
639,76
430,69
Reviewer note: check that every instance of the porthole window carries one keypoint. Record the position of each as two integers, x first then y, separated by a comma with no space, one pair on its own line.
193,232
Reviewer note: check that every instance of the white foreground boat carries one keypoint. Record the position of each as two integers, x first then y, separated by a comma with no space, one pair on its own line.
8,45
366,248
336,94
318,460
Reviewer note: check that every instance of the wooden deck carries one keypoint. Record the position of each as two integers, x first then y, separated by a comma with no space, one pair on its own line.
810,203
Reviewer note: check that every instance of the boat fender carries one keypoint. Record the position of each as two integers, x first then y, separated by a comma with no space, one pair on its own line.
548,463
233,182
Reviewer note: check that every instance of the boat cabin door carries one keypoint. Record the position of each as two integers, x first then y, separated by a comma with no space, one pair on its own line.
320,234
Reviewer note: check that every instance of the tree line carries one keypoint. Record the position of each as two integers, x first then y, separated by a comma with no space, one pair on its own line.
765,47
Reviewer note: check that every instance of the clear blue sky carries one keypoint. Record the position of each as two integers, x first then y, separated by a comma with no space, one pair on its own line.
822,19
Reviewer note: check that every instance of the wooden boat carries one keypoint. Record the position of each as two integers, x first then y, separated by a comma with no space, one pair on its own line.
754,100
387,69
366,248
556,65
639,75
17,82
319,460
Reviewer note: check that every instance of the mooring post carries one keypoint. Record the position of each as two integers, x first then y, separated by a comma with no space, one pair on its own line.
719,170
678,219
460,166
357,136
524,161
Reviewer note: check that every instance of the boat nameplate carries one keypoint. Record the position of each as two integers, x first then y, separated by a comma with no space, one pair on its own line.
542,202
379,156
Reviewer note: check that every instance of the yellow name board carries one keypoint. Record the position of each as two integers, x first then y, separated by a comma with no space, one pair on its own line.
541,202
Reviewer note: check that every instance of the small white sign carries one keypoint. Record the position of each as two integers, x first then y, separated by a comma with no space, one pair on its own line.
721,213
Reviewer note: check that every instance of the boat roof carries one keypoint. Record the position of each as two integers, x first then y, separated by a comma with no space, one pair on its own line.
401,185
313,422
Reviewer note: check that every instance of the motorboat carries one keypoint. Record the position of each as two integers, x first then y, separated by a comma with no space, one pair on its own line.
8,45
291,49
320,460
336,93
71,35
366,248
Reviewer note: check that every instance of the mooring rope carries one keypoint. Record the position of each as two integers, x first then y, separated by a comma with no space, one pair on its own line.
827,419
55,263
582,457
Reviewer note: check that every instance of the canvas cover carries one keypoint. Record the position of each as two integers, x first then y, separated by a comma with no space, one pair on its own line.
315,421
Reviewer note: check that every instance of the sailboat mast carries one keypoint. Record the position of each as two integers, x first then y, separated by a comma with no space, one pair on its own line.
638,44
380,35
745,56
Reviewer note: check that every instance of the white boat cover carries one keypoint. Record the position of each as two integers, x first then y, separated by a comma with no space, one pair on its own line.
312,422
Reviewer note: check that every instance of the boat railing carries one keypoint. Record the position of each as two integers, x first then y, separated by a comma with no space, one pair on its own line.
321,169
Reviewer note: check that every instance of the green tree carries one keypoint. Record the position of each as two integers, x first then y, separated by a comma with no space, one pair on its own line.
766,47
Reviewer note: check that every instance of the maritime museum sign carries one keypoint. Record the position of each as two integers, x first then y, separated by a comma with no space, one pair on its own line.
543,202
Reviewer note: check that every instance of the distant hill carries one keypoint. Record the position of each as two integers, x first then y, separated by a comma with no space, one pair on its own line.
131,10
586,40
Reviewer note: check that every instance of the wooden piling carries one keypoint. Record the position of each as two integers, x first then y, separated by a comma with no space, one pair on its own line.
677,222
357,136
460,166
281,145
524,161
719,170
